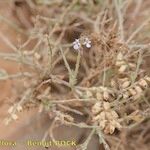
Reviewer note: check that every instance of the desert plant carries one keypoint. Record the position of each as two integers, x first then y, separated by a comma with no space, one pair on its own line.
96,73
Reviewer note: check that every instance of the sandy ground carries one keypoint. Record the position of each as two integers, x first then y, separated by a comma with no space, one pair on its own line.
30,125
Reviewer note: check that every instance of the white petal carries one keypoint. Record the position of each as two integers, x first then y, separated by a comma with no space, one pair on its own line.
88,45
76,47
77,41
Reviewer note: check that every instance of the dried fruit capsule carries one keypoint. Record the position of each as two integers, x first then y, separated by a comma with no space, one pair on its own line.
143,83
122,69
126,84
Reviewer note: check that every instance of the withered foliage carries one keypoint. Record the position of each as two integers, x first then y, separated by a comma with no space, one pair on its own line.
105,82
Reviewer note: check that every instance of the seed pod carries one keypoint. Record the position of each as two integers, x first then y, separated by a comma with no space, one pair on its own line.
137,96
143,83
106,95
126,84
114,84
14,116
99,96
109,129
96,118
89,93
106,105
19,108
68,118
147,78
102,88
116,124
94,88
26,52
123,80
102,124
37,56
126,95
138,89
120,63
97,108
132,65
102,115
122,69
108,115
106,118
10,110
132,91
120,56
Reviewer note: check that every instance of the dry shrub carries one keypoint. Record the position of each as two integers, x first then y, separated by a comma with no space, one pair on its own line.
105,82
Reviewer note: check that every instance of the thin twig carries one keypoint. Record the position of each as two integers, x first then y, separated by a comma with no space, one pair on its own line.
139,61
120,18
65,61
102,140
71,100
85,144
8,42
77,64
137,30
16,76
70,109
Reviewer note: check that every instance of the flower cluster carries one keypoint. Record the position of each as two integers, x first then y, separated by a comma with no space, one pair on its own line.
124,82
78,43
105,117
102,114
100,93
87,43
136,90
123,65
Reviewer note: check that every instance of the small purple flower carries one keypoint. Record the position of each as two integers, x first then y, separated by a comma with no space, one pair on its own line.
76,44
87,43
